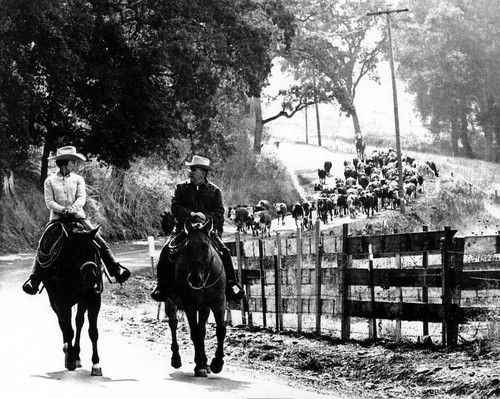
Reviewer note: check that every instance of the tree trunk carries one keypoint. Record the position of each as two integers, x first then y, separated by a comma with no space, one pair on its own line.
464,135
488,144
454,136
45,163
316,106
257,138
355,121
8,185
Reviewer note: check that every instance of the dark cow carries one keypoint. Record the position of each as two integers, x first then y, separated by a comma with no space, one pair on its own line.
369,202
327,166
167,222
363,181
325,208
298,214
322,176
433,167
241,218
263,220
281,210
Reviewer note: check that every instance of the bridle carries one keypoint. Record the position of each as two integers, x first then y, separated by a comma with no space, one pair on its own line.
204,262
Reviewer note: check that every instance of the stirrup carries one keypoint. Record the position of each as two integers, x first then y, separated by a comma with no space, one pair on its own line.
29,288
122,274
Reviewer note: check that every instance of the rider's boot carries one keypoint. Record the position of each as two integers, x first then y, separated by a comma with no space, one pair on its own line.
31,285
165,275
234,291
119,272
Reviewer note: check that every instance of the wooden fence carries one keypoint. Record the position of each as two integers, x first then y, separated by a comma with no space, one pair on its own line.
428,276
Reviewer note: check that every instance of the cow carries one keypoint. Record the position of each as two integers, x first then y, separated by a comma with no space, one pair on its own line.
363,181
263,220
167,222
307,222
281,210
325,208
327,166
322,176
262,205
241,218
369,202
434,168
298,214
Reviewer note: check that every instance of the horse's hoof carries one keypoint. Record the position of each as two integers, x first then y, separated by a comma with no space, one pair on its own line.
96,371
200,373
78,364
216,365
176,362
70,365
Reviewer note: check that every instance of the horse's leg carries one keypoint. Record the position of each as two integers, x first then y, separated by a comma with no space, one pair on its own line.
218,361
198,329
171,311
64,319
79,319
94,306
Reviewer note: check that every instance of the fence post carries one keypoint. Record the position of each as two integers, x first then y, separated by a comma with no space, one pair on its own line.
449,330
319,254
373,321
240,273
399,292
277,276
262,284
343,261
425,290
299,280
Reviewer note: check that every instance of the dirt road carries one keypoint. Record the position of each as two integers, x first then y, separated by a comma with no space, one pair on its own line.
33,364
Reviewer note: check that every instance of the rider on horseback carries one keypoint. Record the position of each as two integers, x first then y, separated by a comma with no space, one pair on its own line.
199,200
65,196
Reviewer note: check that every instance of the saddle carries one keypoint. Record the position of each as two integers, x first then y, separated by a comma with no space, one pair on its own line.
51,242
178,241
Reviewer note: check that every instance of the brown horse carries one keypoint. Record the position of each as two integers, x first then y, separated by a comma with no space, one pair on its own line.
74,277
200,284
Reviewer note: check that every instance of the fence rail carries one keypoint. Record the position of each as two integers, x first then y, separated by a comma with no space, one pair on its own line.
428,277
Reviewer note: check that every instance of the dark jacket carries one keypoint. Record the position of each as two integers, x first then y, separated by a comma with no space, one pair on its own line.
205,198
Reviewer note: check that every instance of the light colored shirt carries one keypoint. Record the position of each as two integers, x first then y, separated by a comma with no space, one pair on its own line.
62,191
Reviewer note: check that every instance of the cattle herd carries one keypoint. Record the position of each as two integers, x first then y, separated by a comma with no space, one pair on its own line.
371,184
368,185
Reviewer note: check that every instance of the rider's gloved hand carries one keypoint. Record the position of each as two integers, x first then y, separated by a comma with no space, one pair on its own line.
198,216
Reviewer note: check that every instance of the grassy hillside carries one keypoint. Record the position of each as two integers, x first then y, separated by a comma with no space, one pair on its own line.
128,204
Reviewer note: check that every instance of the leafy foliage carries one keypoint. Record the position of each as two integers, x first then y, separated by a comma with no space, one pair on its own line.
122,79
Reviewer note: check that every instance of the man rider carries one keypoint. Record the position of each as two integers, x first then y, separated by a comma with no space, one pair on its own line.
196,199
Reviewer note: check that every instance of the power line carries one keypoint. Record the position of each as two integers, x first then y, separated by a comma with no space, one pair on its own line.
395,99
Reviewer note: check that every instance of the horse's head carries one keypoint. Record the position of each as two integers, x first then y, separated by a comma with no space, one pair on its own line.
198,254
81,256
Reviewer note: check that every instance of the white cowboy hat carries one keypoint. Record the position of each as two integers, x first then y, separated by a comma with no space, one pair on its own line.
200,162
67,153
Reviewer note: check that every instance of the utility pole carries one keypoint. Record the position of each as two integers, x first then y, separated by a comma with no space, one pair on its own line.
395,98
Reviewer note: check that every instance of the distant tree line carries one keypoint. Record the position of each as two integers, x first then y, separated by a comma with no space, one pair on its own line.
126,78
449,55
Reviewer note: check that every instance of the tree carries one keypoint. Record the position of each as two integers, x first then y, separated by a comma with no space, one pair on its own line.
340,45
450,60
121,79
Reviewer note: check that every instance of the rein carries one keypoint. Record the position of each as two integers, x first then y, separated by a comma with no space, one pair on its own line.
205,281
46,259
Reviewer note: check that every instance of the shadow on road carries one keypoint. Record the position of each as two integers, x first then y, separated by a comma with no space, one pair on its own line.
214,383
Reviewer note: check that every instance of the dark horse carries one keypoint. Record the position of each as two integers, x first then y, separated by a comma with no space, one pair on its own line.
73,276
360,148
200,283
